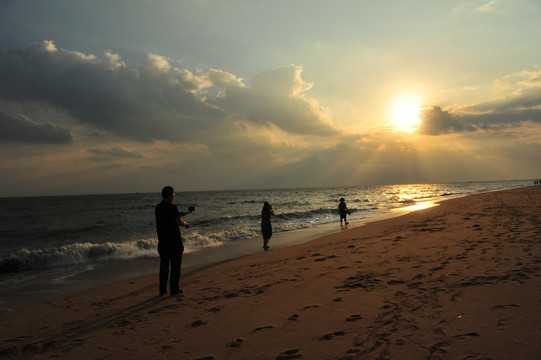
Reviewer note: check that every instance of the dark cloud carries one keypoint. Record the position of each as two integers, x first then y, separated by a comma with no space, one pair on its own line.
525,99
117,152
503,119
4,4
22,129
156,101
435,121
523,105
144,104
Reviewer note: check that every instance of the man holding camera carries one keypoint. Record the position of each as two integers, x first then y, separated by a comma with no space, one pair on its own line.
170,246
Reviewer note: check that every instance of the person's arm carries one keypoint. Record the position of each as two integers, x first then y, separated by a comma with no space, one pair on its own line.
182,222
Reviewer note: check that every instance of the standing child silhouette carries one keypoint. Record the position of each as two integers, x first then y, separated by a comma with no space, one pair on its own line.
342,207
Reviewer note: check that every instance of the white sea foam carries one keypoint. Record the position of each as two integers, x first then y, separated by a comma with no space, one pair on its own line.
76,253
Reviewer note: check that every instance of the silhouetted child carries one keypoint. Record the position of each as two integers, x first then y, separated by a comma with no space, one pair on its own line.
343,210
266,227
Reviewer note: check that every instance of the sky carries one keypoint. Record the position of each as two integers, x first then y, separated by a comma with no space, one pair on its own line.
124,96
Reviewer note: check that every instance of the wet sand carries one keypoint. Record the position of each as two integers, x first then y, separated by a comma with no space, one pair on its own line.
457,281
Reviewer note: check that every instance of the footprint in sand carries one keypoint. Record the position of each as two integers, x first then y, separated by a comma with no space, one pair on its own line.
503,323
415,285
439,331
198,323
501,307
215,309
236,343
354,317
263,328
465,336
289,354
440,347
331,336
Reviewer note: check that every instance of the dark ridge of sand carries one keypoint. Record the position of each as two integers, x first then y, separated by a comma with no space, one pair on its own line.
456,281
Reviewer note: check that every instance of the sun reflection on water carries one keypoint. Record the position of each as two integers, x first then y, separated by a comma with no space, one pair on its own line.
419,206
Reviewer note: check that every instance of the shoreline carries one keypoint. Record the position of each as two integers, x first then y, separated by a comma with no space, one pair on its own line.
22,288
459,280
83,277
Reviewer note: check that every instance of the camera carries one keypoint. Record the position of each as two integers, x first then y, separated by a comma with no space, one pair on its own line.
191,208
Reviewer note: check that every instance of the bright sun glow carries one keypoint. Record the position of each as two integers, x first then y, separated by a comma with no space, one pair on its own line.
405,113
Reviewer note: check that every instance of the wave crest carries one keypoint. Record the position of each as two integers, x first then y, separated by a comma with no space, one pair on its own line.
76,253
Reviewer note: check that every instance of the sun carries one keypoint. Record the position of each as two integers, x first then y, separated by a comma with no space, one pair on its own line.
404,113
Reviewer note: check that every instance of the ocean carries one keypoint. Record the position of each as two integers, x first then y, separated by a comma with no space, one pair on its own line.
54,245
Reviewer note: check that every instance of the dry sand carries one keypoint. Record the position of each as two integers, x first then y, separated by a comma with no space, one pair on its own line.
457,281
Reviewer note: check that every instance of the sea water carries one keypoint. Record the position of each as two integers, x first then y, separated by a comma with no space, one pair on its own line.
94,239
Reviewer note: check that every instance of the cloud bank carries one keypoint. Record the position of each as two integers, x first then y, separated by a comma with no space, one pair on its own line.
96,119
157,100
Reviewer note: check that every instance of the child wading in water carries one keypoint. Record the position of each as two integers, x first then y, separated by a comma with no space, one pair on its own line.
343,210
266,227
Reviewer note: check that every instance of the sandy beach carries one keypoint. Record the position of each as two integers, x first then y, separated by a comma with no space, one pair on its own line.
460,280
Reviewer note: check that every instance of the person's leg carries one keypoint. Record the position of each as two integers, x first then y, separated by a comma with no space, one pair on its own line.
176,263
265,243
164,273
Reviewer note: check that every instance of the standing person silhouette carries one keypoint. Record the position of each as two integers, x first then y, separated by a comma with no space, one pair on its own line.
170,246
342,207
266,227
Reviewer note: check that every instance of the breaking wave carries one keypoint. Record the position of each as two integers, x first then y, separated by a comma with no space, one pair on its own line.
76,253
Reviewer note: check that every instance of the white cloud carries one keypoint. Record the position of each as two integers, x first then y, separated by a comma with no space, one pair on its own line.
487,7
156,63
115,62
276,97
223,79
